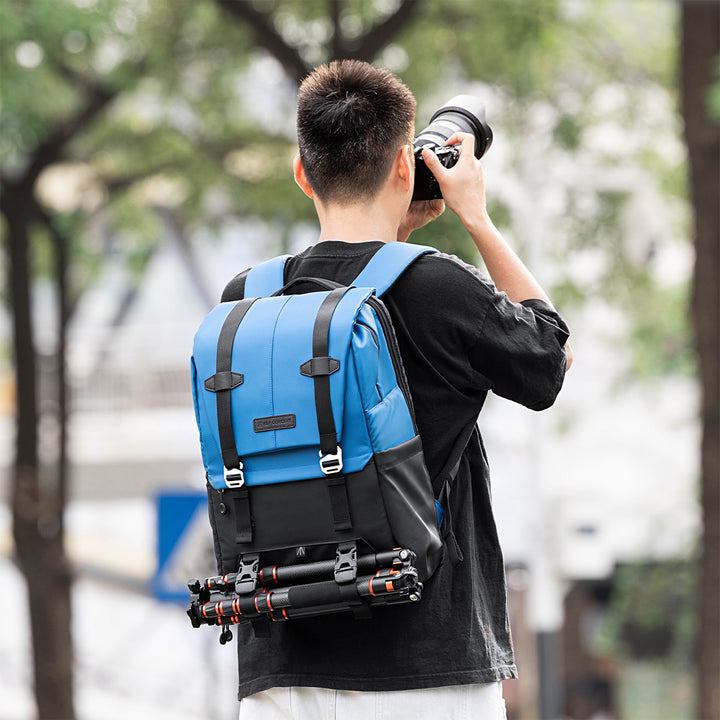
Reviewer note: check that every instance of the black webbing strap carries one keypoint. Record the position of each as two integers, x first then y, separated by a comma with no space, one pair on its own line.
243,518
339,502
323,408
235,289
261,627
321,349
223,370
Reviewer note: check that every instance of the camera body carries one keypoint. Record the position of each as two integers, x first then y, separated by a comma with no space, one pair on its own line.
463,113
426,185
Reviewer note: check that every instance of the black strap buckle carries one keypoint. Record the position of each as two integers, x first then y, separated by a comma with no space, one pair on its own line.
247,574
346,563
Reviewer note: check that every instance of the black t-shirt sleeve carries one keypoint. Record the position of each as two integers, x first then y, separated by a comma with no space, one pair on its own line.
520,350
473,336
478,339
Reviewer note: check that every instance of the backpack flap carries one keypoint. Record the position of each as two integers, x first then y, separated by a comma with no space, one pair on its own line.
272,403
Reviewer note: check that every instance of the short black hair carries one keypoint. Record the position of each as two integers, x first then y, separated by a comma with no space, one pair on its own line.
352,118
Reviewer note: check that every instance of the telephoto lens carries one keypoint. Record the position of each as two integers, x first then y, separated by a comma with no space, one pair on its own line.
463,113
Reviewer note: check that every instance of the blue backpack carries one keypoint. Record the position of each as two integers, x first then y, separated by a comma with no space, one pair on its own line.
319,497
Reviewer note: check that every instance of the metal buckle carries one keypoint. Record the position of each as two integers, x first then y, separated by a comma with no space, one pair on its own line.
234,477
332,463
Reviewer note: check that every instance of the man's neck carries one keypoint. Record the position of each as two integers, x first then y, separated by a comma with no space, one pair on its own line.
361,222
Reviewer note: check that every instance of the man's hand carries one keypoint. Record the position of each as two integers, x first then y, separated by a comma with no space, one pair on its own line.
463,185
420,213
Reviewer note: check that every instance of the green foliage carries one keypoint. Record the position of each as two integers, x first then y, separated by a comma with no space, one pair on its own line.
34,93
660,336
173,69
656,689
509,42
671,177
652,610
183,126
567,132
713,101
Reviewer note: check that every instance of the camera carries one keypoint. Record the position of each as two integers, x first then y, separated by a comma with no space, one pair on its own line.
463,113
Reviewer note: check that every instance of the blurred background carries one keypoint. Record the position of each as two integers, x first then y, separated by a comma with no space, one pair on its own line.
146,152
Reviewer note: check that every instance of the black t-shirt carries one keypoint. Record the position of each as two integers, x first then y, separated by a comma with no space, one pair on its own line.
459,338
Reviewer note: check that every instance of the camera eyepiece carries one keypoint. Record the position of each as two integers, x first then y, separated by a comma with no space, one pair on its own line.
463,113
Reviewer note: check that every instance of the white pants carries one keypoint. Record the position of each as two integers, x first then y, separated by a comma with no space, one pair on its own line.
457,702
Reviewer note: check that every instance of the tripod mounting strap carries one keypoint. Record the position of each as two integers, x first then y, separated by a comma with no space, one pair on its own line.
247,575
346,563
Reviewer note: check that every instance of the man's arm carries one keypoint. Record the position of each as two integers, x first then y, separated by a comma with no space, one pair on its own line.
463,188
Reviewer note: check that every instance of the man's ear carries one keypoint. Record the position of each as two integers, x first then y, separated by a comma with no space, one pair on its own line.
300,177
404,164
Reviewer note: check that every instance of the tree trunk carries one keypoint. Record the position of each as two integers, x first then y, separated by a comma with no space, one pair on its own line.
36,518
62,397
700,48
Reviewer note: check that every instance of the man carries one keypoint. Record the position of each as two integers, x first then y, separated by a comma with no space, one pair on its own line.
460,336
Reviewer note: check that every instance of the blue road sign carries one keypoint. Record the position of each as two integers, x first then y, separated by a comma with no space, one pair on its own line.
184,543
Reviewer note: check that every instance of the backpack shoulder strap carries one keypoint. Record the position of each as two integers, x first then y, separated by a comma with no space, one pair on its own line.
267,277
388,263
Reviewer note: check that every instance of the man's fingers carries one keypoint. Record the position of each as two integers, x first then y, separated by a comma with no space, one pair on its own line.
466,140
431,161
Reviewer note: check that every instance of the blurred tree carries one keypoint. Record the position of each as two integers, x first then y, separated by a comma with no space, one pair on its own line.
65,65
101,119
700,57
36,141
431,45
558,71
151,107
578,67
557,75
299,51
652,611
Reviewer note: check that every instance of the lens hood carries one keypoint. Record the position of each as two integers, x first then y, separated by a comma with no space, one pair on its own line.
462,113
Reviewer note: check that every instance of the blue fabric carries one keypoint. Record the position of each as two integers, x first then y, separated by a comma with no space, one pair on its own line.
266,278
203,366
387,264
440,513
272,342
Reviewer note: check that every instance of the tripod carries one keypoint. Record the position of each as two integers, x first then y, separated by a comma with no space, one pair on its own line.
279,593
